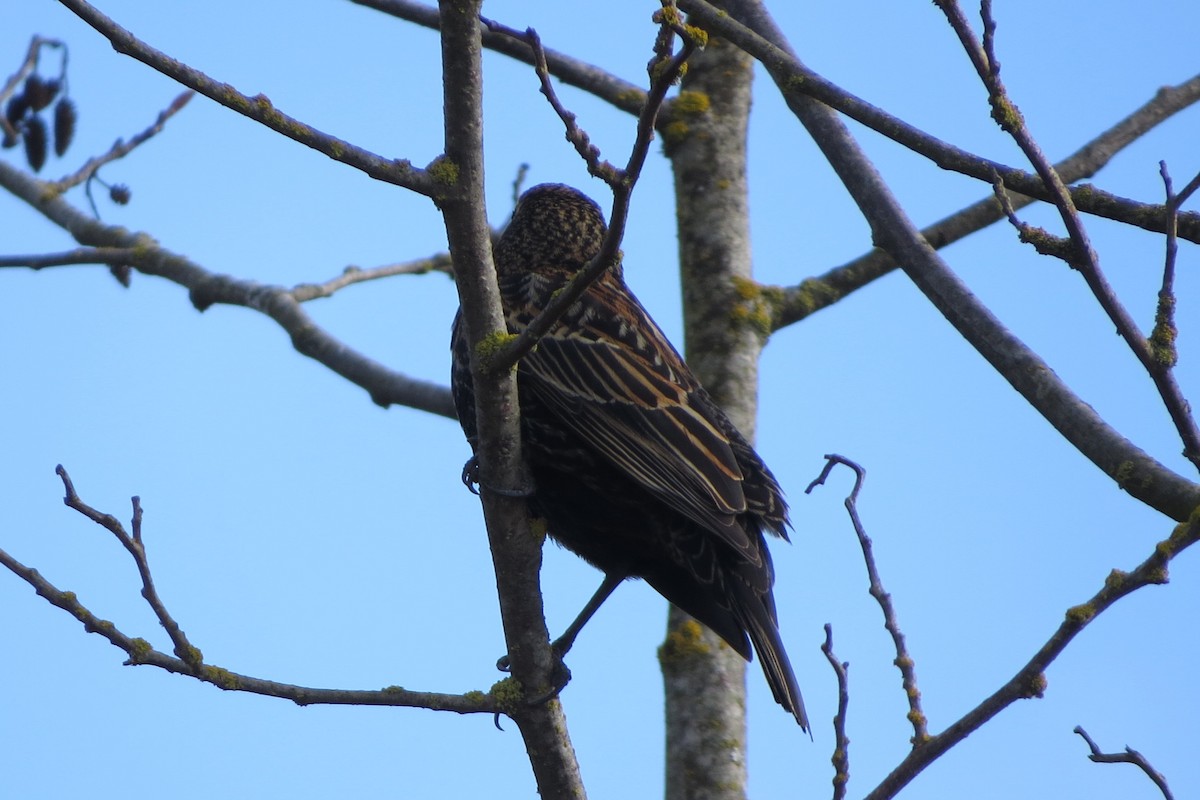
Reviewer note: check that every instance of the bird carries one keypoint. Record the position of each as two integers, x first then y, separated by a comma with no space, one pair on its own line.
635,468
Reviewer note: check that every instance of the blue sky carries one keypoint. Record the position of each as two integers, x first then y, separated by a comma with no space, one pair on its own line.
300,533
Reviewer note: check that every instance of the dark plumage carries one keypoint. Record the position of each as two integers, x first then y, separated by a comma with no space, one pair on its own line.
635,468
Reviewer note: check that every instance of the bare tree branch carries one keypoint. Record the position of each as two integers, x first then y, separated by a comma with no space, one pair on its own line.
1083,256
352,275
1030,680
386,387
1134,470
133,544
258,108
1130,756
815,294
120,148
516,551
795,81
841,747
189,660
112,256
904,662
630,98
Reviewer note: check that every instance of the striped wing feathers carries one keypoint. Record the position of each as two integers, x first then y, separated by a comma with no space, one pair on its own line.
613,379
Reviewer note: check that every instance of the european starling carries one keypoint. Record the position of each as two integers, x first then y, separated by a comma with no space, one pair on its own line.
635,468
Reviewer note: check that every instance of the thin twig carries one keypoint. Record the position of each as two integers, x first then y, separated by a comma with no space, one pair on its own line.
120,148
1009,118
904,662
141,653
841,746
133,544
1163,335
1130,756
1041,239
664,73
575,134
519,182
351,275
1187,191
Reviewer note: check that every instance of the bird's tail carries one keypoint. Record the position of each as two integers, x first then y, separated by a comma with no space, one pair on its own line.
764,634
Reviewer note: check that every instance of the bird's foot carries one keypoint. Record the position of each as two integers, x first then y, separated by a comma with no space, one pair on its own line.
470,475
560,676
471,479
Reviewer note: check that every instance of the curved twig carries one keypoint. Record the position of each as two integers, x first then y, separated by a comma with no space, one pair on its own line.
1130,756
904,662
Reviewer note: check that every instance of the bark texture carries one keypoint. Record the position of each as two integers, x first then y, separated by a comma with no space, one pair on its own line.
705,137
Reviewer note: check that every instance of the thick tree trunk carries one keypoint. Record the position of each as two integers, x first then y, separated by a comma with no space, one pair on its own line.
705,137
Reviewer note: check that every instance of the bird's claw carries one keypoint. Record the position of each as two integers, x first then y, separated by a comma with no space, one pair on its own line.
471,479
560,676
470,475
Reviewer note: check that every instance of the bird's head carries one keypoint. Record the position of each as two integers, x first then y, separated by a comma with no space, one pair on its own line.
554,228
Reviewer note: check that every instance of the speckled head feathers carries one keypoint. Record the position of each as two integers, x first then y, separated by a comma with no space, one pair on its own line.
554,228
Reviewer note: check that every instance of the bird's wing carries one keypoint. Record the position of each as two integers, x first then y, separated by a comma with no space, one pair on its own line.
611,376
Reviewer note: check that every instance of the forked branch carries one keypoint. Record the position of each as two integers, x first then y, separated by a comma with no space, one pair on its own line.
1030,680
1077,250
188,660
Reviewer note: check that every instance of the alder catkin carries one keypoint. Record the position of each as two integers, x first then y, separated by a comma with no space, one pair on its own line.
64,125
35,143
